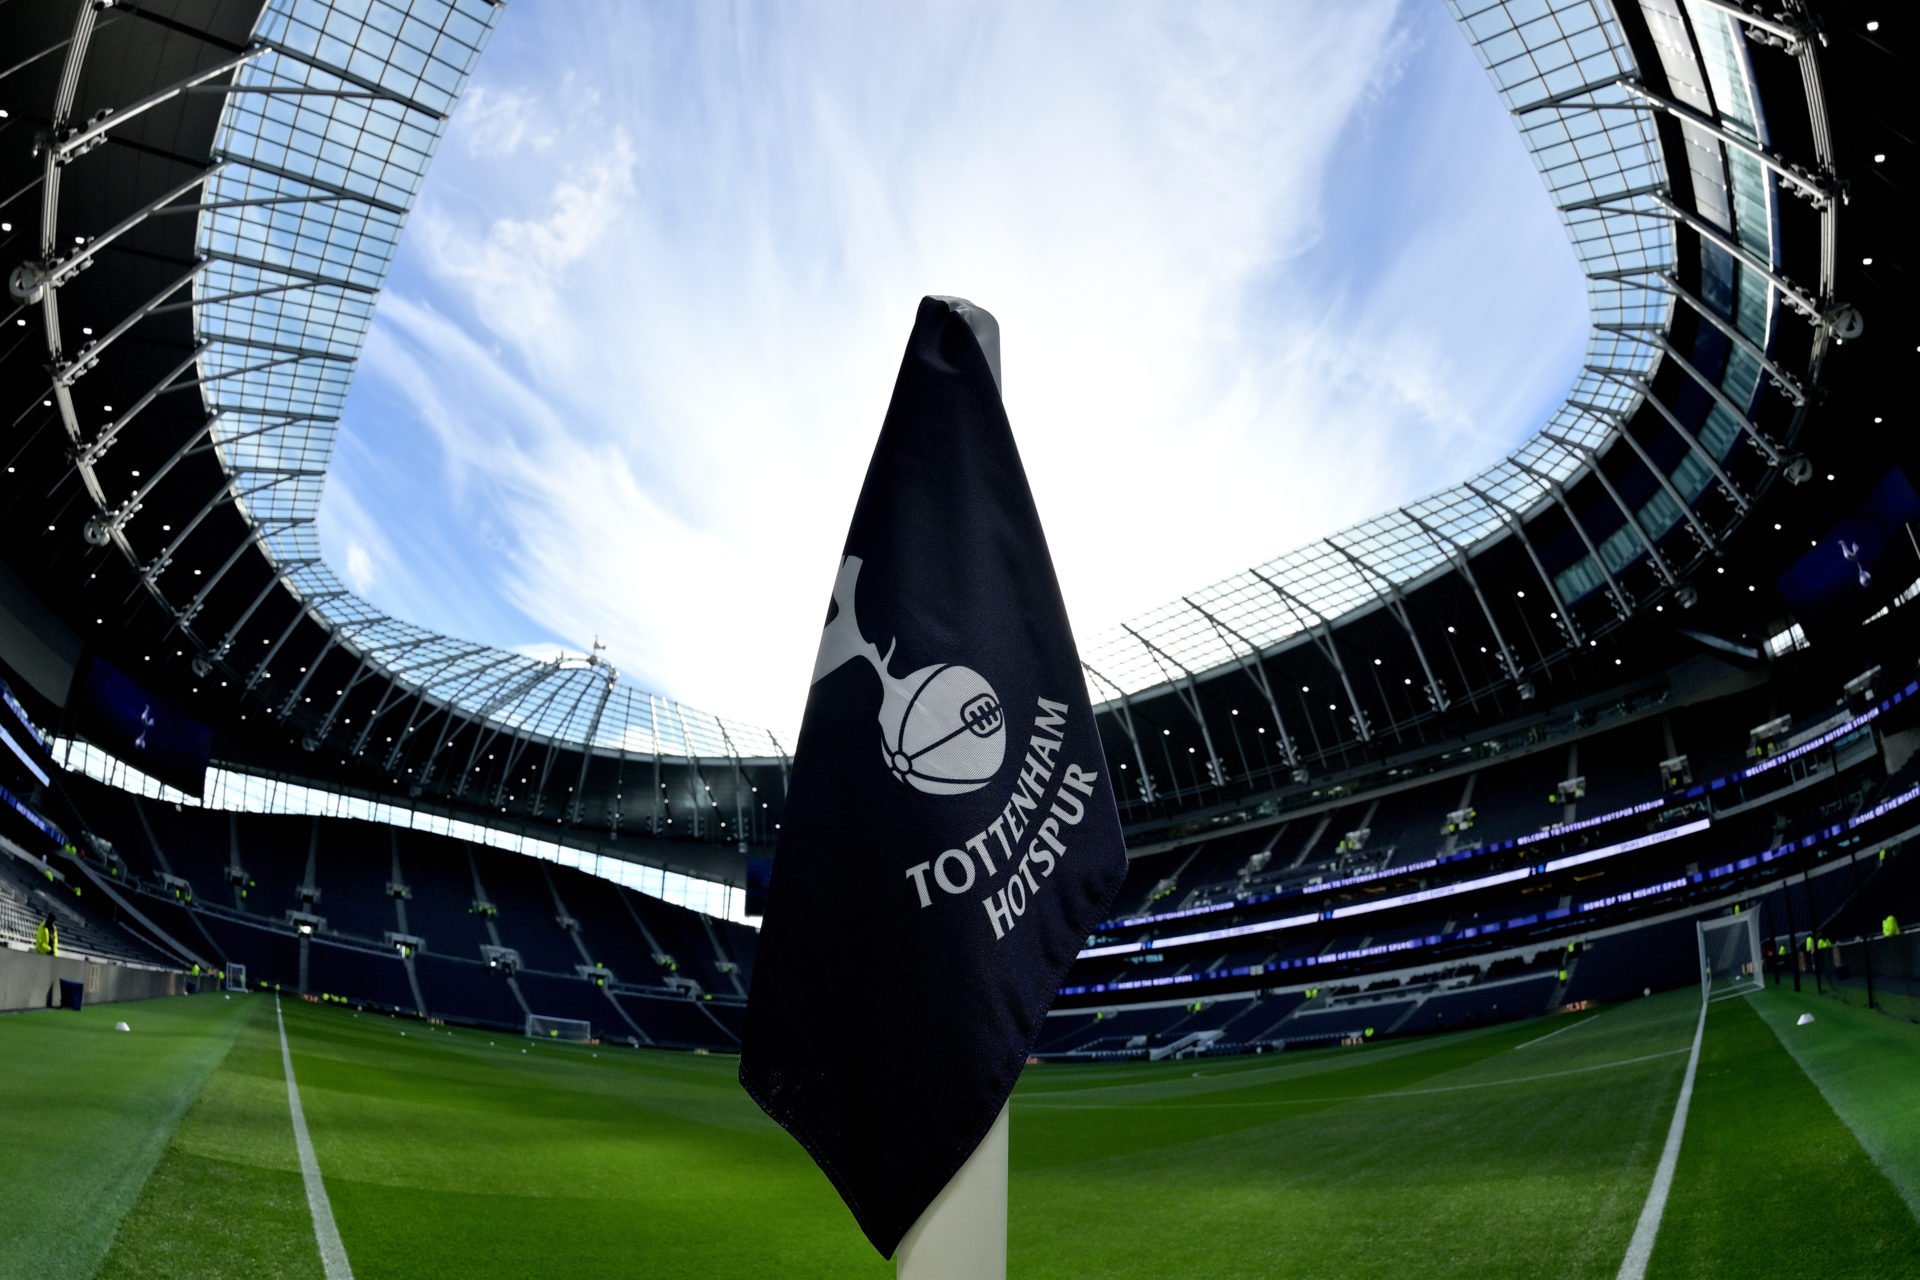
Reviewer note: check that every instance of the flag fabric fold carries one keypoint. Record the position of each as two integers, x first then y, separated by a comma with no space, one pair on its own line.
950,832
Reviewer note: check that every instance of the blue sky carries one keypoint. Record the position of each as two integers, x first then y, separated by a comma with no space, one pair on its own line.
1261,270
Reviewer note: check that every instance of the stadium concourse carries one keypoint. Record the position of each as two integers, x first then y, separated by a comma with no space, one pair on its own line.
1522,881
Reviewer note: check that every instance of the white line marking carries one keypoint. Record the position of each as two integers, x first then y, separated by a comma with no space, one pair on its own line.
1544,1075
1640,1248
1580,1022
1067,1105
333,1254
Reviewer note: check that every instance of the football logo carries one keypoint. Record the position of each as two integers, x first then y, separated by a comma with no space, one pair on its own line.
942,729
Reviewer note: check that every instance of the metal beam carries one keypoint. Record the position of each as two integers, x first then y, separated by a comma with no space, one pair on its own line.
347,77
255,344
246,615
336,634
364,670
1320,631
1819,192
310,277
553,745
1397,606
1627,514
1546,579
1605,204
1753,433
236,296
1126,725
1189,698
511,692
586,747
89,355
396,692
693,765
1707,540
1249,663
427,698
91,454
1458,555
1565,97
1792,37
1560,497
1619,425
56,274
78,141
1787,383
522,736
1794,296
1693,442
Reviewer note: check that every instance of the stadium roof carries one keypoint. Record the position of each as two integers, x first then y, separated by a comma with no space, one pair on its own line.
1563,70
297,133
326,137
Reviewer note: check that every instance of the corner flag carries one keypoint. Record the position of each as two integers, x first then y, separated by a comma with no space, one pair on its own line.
950,834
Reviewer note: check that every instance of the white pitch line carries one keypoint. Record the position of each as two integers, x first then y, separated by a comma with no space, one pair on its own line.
333,1254
1640,1248
1174,1105
1578,1022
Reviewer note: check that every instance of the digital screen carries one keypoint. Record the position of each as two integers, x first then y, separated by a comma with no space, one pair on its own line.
121,717
1841,571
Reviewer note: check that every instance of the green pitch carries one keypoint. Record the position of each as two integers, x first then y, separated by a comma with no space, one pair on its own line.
1522,1151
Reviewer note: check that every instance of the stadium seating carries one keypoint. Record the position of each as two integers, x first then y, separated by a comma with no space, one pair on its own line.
674,1022
528,916
568,998
378,978
468,991
354,863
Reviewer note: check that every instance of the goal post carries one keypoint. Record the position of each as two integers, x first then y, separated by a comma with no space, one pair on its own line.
236,978
542,1027
1730,963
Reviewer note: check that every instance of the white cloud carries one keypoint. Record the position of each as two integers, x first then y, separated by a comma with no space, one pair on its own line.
660,344
361,574
493,123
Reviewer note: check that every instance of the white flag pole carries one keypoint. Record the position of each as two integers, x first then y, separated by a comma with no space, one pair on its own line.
962,1235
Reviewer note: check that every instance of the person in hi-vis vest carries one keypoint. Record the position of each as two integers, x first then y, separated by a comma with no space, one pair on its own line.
46,939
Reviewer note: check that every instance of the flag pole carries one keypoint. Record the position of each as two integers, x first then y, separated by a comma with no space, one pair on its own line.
962,1235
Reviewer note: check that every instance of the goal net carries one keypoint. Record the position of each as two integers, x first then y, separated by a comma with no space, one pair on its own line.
236,977
1730,955
541,1027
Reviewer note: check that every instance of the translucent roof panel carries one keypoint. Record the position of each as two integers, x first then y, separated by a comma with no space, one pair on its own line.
322,148
1557,65
326,134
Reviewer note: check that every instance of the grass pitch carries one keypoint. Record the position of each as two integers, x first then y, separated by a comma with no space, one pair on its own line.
1521,1151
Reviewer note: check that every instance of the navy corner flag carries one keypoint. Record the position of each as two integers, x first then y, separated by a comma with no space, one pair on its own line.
950,833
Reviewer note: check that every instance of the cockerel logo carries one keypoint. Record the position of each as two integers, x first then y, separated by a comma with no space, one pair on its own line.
942,728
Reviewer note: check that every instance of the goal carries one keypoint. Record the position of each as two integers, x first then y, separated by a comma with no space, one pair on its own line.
541,1027
1730,955
236,977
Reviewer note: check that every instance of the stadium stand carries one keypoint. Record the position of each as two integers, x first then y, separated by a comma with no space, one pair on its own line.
1610,596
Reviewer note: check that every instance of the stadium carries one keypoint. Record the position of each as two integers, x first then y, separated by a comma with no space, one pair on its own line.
1524,880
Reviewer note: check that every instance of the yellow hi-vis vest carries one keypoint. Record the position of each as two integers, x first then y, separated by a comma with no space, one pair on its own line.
43,940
